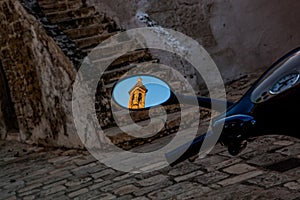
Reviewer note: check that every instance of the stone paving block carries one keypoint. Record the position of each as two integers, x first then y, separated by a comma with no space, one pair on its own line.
209,160
239,192
173,190
103,173
62,169
78,192
15,185
30,192
123,176
48,179
294,172
37,173
211,177
143,191
68,160
279,193
56,177
125,190
83,169
55,184
271,179
30,197
7,194
30,187
125,197
6,181
53,190
152,166
283,142
89,195
293,185
215,186
188,176
266,159
183,168
116,185
195,193
59,195
95,186
104,196
264,144
239,169
240,178
140,198
98,180
79,187
292,150
111,176
13,198
98,167
77,182
260,147
59,159
85,160
153,180
225,163
142,176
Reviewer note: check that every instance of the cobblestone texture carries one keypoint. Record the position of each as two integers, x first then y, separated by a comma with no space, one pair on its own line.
41,173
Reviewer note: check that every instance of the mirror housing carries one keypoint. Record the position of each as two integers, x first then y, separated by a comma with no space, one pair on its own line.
142,92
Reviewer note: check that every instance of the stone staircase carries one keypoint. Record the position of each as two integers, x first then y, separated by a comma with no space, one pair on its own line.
87,29
80,22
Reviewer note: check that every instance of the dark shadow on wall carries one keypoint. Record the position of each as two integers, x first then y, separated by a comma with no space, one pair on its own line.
7,106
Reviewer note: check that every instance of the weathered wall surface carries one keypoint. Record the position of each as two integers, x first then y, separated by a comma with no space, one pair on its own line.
39,76
241,36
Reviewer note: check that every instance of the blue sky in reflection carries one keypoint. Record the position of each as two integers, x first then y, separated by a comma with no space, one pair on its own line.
158,91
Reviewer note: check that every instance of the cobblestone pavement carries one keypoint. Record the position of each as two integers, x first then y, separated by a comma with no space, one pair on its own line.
41,173
269,168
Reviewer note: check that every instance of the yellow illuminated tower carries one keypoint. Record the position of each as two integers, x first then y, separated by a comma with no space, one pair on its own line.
137,95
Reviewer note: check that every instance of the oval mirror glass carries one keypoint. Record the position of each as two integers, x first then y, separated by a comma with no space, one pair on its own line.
139,92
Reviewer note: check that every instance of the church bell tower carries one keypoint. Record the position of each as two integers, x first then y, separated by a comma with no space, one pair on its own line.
137,95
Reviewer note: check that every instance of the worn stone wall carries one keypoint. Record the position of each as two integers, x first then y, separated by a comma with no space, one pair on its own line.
39,76
8,122
241,36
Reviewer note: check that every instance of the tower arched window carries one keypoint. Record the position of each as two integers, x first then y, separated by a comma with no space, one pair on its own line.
140,97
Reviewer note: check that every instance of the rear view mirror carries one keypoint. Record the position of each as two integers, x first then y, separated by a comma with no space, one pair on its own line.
140,92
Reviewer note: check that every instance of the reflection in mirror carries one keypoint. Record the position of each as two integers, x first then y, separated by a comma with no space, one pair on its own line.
142,91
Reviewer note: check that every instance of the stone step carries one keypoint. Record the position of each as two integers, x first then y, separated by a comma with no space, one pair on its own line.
51,8
117,74
51,2
126,59
86,31
131,57
68,15
110,48
79,22
90,42
117,136
120,70
111,76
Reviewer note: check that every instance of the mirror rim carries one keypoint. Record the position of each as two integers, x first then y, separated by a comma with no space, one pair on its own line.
139,75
